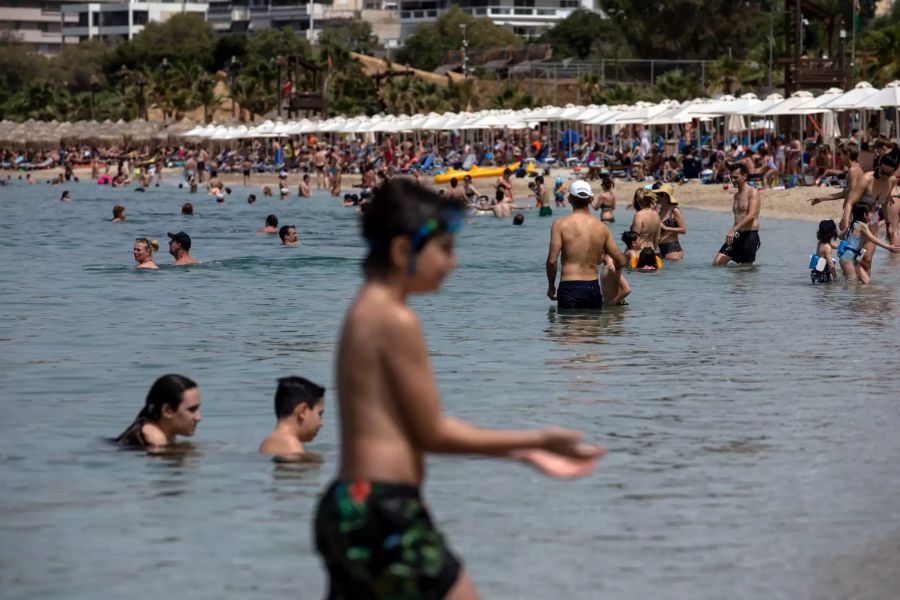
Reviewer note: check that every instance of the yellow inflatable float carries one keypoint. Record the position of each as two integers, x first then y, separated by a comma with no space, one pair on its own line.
477,171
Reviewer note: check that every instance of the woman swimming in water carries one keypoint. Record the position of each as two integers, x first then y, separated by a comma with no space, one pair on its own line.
143,253
172,408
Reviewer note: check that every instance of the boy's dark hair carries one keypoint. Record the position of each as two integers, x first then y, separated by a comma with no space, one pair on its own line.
401,207
453,182
739,166
827,231
272,221
499,194
518,219
628,237
850,149
647,258
294,391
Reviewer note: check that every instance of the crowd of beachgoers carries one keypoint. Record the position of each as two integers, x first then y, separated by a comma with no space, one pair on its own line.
387,398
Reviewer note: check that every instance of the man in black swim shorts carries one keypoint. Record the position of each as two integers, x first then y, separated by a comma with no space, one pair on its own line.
742,240
584,243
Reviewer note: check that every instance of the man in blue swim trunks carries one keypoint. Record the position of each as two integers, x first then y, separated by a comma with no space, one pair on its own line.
584,242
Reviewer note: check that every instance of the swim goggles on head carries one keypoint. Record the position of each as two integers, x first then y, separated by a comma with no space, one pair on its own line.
451,221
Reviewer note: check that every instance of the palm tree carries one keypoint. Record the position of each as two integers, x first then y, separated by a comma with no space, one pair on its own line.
514,98
678,85
204,92
884,44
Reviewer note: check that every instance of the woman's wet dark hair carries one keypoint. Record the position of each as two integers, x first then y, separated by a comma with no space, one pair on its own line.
401,207
271,221
165,391
647,258
628,237
827,231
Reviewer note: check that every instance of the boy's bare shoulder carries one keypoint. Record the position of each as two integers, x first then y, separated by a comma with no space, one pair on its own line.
380,316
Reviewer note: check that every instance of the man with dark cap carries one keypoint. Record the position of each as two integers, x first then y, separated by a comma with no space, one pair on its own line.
179,247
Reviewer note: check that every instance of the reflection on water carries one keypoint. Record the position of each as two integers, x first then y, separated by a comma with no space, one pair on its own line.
751,417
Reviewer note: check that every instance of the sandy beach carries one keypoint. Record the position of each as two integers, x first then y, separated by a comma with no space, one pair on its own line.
778,204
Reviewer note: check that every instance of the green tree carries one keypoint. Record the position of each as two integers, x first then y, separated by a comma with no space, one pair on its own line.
678,85
514,98
584,33
427,48
353,36
883,41
184,38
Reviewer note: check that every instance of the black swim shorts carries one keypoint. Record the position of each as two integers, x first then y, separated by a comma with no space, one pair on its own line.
743,248
378,542
579,294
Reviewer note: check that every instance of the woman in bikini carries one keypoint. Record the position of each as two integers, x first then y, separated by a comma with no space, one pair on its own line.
172,408
671,223
605,201
646,222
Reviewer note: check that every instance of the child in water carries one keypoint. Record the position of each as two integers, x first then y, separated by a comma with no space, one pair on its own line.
630,238
822,268
373,529
299,404
850,251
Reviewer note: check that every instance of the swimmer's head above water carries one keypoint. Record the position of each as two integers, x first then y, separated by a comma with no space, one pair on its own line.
172,408
409,229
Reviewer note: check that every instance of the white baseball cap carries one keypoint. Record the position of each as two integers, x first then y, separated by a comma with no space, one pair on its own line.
581,189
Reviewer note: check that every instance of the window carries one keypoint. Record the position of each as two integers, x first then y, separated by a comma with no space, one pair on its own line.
140,17
114,19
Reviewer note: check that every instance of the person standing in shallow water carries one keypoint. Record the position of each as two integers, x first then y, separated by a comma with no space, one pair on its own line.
742,240
143,253
172,408
585,243
372,527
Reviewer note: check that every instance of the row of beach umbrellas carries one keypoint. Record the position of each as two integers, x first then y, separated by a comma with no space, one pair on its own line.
668,112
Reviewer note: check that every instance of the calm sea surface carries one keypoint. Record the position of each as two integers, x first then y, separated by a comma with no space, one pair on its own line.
752,418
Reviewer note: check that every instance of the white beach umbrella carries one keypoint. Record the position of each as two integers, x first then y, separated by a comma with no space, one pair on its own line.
640,115
819,102
788,106
717,106
888,97
764,104
850,99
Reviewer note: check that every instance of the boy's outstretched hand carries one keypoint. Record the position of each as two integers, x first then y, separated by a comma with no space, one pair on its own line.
563,467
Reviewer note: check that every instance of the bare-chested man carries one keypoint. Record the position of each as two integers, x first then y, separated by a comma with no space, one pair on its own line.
856,184
742,240
888,177
180,247
584,242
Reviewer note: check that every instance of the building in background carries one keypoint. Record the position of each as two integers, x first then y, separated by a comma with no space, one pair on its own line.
37,23
527,18
118,20
248,16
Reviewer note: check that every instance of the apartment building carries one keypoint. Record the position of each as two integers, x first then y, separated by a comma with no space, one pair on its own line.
528,18
37,23
120,20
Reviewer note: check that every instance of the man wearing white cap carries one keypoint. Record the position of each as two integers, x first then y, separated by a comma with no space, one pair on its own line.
585,243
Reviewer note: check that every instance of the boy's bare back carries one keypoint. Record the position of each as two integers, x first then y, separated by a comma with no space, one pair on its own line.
379,362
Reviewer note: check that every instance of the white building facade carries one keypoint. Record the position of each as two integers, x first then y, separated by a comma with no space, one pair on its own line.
527,18
37,23
119,20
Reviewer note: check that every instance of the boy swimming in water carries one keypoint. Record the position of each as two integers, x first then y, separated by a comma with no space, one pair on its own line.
299,404
373,530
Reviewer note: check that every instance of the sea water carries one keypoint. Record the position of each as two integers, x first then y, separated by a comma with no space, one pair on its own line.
751,417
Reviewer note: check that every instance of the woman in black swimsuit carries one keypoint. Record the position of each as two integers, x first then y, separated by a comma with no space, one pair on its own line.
672,223
172,408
